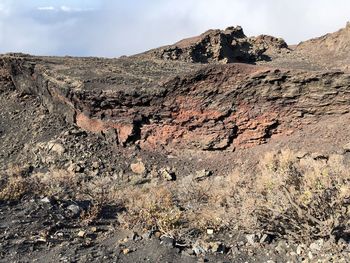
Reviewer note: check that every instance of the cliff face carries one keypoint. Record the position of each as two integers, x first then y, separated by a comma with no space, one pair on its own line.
206,107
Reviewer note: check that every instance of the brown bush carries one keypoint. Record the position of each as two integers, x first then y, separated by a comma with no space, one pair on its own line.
151,208
14,189
302,199
14,183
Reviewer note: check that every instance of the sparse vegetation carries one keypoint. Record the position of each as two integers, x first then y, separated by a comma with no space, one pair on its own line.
302,199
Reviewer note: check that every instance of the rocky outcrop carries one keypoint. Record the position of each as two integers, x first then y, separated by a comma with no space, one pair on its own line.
222,46
5,78
212,107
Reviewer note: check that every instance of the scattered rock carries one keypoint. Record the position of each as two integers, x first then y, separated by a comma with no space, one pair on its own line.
300,249
319,156
167,241
75,168
45,200
74,210
138,168
136,237
95,165
265,238
202,174
281,248
218,247
310,255
126,251
81,233
316,246
147,235
251,239
188,252
56,148
157,234
199,249
301,154
346,147
210,231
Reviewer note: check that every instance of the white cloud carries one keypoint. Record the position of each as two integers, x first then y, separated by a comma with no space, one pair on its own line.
46,8
66,8
63,8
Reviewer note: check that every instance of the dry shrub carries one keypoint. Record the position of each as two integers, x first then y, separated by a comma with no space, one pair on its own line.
14,189
302,199
57,183
14,184
210,203
151,208
101,191
189,204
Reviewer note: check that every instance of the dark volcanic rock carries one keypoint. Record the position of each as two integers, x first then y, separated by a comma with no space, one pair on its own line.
223,46
210,107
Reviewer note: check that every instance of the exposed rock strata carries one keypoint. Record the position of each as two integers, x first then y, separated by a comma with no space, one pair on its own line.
211,108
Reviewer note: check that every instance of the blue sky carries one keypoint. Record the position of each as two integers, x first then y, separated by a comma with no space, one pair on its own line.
113,28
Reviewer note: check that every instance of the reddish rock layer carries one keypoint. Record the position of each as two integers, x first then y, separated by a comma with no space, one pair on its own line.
213,108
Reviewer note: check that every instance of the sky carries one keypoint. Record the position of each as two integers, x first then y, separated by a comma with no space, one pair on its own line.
111,28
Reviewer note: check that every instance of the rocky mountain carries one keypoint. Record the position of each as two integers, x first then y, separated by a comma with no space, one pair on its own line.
223,46
221,147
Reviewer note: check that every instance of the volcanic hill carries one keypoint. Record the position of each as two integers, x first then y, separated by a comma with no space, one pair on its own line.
171,144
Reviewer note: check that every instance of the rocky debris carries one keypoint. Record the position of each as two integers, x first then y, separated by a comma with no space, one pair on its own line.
126,251
56,148
6,83
222,46
251,239
202,174
316,246
167,241
346,147
210,231
138,168
75,210
81,233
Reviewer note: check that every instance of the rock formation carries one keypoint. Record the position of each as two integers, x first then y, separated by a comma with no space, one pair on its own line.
222,46
214,107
